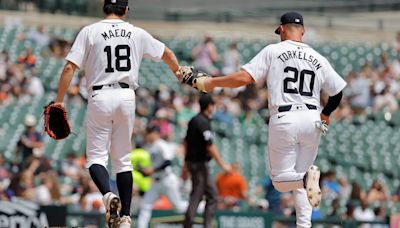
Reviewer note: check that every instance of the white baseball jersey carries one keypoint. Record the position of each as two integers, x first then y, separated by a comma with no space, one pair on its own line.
159,153
295,74
111,51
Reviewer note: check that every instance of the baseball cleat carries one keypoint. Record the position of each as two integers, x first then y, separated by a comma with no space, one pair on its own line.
312,185
113,206
125,222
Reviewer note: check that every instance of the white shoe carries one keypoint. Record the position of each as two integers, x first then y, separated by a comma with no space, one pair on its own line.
113,207
125,222
311,184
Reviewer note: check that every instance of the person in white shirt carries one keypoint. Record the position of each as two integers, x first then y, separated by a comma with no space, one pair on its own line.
164,180
364,213
110,52
295,76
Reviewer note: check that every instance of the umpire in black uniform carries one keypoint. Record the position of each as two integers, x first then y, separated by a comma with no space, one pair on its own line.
199,151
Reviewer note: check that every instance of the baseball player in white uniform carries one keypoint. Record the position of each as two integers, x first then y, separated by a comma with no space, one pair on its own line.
164,180
295,74
110,51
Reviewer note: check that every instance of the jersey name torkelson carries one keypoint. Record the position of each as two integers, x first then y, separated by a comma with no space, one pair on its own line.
292,54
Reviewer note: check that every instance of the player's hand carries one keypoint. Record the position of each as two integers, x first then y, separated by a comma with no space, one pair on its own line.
325,119
59,103
193,77
226,168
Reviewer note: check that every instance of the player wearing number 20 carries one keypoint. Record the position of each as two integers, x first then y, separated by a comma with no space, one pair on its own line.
295,74
110,51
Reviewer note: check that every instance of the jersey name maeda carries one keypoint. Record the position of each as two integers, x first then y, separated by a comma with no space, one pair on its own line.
116,33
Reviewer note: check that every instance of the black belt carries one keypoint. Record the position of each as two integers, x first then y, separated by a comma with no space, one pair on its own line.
286,108
121,84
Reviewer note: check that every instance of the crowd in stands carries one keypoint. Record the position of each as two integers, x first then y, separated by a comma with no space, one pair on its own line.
33,176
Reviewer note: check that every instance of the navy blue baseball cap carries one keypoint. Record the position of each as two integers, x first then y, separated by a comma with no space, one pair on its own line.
123,3
290,18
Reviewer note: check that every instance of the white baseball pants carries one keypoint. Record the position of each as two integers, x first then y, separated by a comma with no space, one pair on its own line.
292,148
168,186
109,125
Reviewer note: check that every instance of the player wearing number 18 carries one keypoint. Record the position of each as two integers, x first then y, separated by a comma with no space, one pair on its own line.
110,51
295,74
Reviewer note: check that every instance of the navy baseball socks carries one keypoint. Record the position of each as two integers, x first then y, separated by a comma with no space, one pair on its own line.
311,184
124,184
100,177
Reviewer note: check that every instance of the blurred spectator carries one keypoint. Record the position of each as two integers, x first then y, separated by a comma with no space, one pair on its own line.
380,215
271,195
396,195
70,167
287,205
231,59
186,108
396,43
91,199
4,173
349,214
38,36
21,184
205,55
250,117
162,121
343,112
27,59
386,101
34,86
330,186
31,142
396,66
335,207
359,97
377,193
345,188
48,192
4,64
221,113
364,213
232,188
356,192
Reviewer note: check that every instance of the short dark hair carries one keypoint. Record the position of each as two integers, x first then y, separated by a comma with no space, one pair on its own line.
114,9
204,101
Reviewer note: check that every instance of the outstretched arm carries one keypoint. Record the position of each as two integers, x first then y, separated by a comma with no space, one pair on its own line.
233,80
170,59
65,80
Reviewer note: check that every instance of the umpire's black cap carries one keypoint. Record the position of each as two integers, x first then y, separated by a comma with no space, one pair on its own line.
290,18
123,3
205,100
